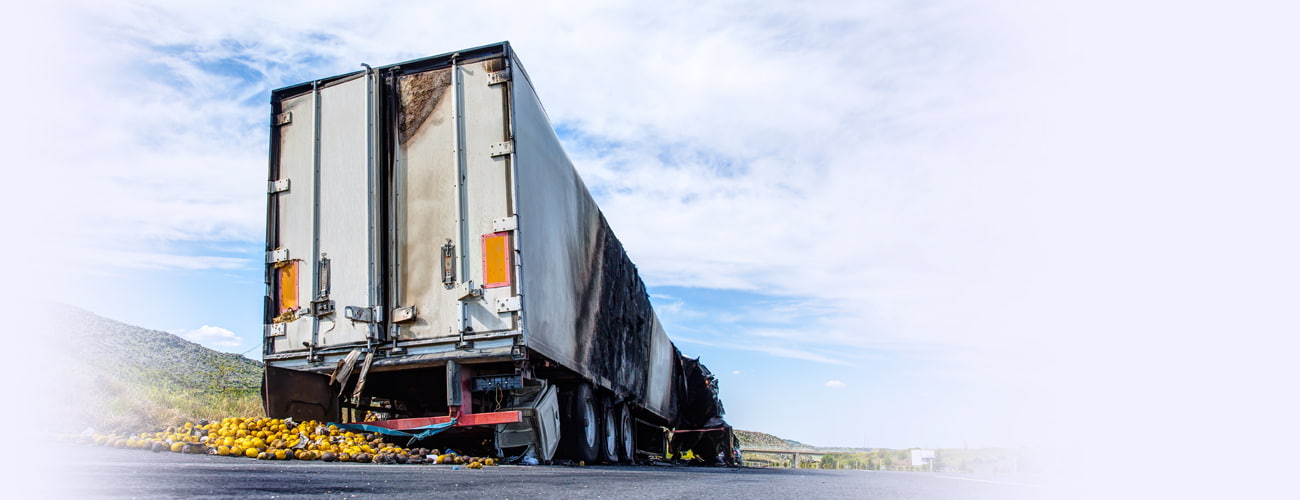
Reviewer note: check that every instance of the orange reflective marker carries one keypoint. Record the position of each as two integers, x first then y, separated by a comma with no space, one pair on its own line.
288,283
496,260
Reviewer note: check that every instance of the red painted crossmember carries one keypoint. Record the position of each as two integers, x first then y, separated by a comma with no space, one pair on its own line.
500,417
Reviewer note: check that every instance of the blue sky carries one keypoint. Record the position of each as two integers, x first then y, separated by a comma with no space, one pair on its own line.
920,223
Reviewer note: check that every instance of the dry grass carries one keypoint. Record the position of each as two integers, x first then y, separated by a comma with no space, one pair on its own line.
113,405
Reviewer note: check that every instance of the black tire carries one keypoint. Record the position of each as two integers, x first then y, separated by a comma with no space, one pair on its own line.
608,431
626,438
580,433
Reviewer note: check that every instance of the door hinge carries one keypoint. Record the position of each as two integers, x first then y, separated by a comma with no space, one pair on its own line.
508,304
322,307
467,291
403,314
284,118
278,255
394,333
497,77
363,314
504,224
279,186
502,148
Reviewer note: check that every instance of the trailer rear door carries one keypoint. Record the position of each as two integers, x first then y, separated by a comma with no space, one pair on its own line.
452,213
324,226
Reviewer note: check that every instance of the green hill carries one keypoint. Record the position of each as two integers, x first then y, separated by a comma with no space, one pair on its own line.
125,377
754,439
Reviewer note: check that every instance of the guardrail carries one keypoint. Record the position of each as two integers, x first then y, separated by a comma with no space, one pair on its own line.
794,462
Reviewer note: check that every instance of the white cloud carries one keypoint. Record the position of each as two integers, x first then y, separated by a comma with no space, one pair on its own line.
779,351
211,336
834,384
735,372
91,260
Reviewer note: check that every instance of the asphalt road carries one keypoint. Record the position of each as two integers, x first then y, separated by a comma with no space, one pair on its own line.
93,472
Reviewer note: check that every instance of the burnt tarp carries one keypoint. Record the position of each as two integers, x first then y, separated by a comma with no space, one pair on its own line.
615,320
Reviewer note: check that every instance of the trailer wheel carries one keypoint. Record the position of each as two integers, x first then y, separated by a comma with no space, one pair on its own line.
609,431
626,441
581,432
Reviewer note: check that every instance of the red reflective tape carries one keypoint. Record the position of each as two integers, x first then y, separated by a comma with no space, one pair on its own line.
469,420
409,423
500,417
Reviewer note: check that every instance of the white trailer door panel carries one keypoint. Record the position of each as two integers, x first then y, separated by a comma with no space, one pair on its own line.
327,291
451,191
424,204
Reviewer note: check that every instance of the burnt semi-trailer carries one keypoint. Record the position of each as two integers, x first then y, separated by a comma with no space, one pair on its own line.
434,261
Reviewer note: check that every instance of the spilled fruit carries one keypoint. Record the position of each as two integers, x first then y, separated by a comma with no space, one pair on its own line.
280,439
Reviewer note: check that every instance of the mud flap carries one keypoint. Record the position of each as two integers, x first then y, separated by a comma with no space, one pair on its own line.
540,428
300,395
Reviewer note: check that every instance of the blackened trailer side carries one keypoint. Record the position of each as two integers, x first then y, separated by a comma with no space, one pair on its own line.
433,257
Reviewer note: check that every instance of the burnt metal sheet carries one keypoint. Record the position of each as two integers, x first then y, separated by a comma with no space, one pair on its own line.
554,218
419,94
361,379
700,423
660,372
298,394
